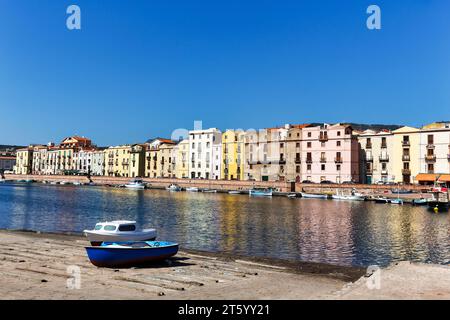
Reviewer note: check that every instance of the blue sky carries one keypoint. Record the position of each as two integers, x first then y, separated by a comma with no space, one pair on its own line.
140,69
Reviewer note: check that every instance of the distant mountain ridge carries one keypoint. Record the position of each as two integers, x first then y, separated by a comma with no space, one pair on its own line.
5,146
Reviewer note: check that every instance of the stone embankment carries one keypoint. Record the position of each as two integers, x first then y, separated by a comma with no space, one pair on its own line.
223,185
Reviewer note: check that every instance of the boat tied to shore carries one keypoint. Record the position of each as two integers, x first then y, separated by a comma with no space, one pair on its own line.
174,188
137,184
121,230
440,198
354,196
313,195
260,192
192,189
130,254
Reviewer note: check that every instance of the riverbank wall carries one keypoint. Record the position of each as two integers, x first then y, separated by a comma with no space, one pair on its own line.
225,185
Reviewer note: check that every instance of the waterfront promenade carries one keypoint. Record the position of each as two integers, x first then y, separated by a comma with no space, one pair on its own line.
34,266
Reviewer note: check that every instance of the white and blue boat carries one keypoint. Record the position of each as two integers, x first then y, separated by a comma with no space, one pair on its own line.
130,254
260,192
174,188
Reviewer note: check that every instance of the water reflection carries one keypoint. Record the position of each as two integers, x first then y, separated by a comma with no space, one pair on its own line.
345,233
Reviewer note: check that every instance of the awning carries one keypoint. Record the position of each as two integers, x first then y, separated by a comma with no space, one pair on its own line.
427,177
444,178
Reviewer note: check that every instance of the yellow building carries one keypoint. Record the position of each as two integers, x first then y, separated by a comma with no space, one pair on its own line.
24,161
158,159
406,154
233,155
181,159
117,161
137,161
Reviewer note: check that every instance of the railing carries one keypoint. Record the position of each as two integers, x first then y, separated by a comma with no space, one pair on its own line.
282,161
323,137
338,160
369,170
368,145
384,158
430,158
369,158
406,172
430,146
323,160
405,143
406,157
384,146
298,160
384,172
309,160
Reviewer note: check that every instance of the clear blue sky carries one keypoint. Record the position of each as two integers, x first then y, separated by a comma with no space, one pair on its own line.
139,69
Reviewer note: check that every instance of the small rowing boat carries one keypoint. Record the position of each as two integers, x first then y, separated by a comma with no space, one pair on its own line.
130,254
173,187
137,184
192,189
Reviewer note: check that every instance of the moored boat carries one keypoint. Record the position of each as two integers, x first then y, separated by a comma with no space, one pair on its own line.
420,202
354,196
292,195
136,184
118,231
234,192
129,254
314,195
209,190
174,187
397,201
382,200
192,189
260,192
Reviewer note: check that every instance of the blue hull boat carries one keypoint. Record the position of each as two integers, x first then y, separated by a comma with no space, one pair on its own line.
130,254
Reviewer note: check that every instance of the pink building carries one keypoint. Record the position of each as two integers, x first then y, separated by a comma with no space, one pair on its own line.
330,152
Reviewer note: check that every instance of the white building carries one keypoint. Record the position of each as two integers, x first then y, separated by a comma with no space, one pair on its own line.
91,161
205,153
377,156
435,148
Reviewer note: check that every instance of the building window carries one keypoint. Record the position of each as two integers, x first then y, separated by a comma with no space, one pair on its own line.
338,143
338,167
308,145
309,134
323,167
297,169
339,133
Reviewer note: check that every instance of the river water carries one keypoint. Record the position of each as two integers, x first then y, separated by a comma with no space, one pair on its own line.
328,231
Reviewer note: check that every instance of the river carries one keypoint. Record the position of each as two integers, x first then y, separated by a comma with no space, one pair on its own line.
327,231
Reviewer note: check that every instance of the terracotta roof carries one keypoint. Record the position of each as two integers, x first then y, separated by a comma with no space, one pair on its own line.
444,178
428,177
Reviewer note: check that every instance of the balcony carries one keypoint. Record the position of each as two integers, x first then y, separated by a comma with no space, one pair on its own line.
369,158
384,172
384,158
369,170
282,161
430,158
309,160
323,137
368,145
406,172
405,143
338,160
406,157
298,160
383,146
323,160
430,146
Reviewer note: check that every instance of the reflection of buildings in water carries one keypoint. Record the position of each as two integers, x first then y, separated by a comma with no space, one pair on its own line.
20,207
325,231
